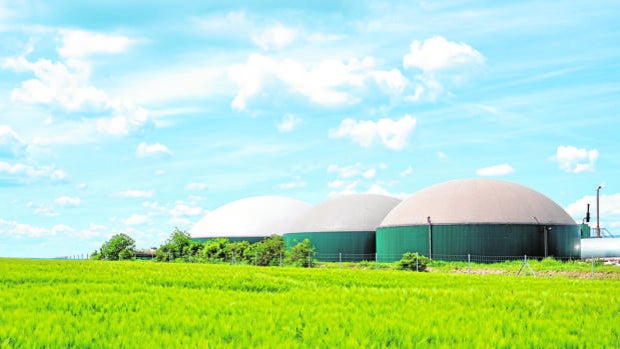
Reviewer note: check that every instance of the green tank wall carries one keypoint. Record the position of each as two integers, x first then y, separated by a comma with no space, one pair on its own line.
354,246
455,242
250,239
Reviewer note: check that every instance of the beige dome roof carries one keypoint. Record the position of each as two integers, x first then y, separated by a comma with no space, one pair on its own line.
259,216
354,212
477,200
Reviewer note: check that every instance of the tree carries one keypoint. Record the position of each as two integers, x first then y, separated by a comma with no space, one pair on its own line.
179,246
119,247
301,254
265,252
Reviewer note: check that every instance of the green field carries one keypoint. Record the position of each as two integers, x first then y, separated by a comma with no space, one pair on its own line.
82,304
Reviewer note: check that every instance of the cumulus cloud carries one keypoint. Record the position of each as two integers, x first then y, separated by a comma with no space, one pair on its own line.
296,183
196,186
289,123
67,201
145,150
345,171
21,172
575,160
393,134
407,172
183,209
136,219
11,145
80,43
330,83
609,207
275,37
135,193
440,62
496,170
20,229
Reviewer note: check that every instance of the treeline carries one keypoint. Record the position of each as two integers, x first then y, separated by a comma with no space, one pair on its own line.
179,247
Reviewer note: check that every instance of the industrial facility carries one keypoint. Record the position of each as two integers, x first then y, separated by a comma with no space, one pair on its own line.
482,217
251,219
342,226
478,217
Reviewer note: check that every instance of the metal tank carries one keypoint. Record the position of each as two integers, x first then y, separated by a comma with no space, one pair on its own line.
342,228
488,219
250,219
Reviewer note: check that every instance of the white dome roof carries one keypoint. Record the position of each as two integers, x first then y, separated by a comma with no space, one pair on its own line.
478,200
356,212
259,216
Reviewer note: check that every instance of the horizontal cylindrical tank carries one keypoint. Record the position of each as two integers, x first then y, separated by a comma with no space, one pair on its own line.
600,247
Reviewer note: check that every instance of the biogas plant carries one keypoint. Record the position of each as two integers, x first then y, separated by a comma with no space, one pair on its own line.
487,218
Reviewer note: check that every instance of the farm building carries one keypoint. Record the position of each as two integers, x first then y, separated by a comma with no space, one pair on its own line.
481,217
342,226
251,219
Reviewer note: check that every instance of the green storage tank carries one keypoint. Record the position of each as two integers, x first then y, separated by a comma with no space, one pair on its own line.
251,219
489,219
342,228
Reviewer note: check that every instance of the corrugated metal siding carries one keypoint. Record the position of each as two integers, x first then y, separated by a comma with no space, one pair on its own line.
454,242
354,246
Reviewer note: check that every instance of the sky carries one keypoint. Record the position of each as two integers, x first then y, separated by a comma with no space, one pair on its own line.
138,117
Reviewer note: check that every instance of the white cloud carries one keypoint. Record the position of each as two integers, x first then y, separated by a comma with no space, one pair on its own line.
135,193
370,173
11,145
67,201
437,53
394,134
196,186
136,219
289,123
609,207
407,172
441,155
145,150
80,43
497,170
62,85
275,37
331,82
345,171
81,186
576,160
27,172
440,62
296,183
15,228
182,209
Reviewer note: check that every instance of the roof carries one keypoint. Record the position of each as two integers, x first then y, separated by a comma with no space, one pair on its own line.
355,212
477,200
251,217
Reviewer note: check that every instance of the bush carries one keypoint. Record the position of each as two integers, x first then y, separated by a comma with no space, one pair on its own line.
266,252
120,243
301,254
413,261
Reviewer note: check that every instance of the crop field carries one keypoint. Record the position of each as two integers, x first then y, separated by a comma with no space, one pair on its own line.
95,304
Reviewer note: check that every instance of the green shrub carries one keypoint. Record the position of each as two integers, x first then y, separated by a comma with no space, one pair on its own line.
301,254
413,261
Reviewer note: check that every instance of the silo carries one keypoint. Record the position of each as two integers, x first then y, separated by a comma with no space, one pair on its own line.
250,219
488,219
343,226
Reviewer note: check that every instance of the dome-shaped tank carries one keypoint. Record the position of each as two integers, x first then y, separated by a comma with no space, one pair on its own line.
481,217
343,226
250,219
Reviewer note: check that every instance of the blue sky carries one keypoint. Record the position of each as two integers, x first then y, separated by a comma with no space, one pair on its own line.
138,117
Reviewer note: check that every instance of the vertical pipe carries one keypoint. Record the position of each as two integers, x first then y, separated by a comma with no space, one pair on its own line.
430,237
598,226
546,241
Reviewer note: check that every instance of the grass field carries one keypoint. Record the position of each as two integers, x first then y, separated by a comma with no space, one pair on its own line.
82,304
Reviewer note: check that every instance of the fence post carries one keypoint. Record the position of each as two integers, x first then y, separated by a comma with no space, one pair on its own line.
416,263
468,263
280,259
376,261
255,258
340,259
309,260
592,267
